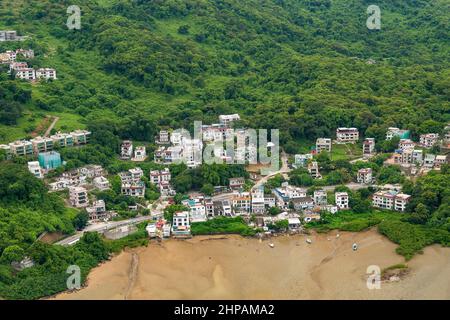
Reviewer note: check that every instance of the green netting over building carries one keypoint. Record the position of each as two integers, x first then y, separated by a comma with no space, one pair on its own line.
49,160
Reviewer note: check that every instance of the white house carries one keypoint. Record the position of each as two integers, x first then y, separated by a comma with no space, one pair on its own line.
341,200
364,176
345,135
35,169
101,183
323,144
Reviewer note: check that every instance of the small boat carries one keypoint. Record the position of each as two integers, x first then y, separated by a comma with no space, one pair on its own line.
338,235
355,247
308,241
271,245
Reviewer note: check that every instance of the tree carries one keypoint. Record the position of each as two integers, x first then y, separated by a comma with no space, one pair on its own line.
207,189
81,220
12,253
184,29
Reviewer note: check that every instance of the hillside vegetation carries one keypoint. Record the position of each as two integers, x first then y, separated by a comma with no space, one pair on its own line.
297,65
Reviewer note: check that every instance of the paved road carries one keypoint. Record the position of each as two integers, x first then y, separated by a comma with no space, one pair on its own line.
103,226
283,170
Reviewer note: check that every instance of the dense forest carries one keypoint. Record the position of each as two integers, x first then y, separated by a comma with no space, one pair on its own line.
297,65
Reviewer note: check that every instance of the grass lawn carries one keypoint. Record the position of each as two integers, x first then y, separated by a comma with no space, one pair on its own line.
346,151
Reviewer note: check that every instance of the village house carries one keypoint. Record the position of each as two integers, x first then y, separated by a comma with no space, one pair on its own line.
320,197
347,135
236,183
78,197
390,200
26,53
46,73
341,200
59,185
440,160
286,193
181,227
192,152
365,176
10,35
329,208
140,154
303,203
258,204
323,144
396,132
217,132
158,176
101,183
197,211
368,147
300,160
163,138
294,224
242,203
429,160
25,263
126,150
97,212
223,208
428,140
226,119
35,169
25,74
406,144
133,189
313,169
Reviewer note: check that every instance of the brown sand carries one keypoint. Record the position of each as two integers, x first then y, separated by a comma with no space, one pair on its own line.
241,268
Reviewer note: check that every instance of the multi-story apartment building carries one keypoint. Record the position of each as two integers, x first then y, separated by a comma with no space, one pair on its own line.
41,144
62,139
345,135
286,193
368,147
81,136
428,140
91,171
341,199
50,160
97,211
164,137
390,200
21,148
78,197
365,176
301,160
323,144
197,211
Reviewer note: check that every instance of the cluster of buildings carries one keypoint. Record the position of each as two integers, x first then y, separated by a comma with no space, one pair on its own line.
79,198
390,200
90,175
127,152
10,56
181,149
346,135
411,156
39,145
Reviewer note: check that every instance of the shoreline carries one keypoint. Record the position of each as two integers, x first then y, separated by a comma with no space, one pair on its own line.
229,267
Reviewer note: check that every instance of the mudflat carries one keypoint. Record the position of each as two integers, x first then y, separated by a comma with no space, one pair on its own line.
232,267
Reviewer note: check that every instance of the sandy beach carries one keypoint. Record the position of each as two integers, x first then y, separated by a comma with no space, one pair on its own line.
232,267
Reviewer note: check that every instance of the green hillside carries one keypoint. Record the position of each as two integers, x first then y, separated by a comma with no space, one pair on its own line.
297,65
